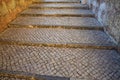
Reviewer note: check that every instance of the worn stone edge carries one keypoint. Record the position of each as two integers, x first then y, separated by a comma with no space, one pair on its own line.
57,26
54,15
61,45
34,7
28,76
41,2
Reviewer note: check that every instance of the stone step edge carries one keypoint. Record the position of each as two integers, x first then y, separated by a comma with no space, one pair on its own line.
54,26
61,45
35,7
57,15
40,2
18,75
36,76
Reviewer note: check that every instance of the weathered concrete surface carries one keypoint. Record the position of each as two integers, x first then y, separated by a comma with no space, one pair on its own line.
86,64
57,12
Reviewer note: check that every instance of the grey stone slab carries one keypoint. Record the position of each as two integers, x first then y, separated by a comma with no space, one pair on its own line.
56,12
51,36
74,63
57,21
59,5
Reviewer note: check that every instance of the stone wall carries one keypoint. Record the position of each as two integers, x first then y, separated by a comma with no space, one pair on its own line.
83,1
9,9
108,13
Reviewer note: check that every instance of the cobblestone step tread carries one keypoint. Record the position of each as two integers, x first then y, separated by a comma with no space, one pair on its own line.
86,22
57,36
56,12
59,5
88,64
57,1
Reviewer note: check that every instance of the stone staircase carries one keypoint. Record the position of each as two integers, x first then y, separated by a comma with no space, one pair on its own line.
57,40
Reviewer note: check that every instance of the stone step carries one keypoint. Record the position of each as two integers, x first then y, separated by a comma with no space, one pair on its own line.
20,75
57,1
59,6
57,38
86,64
63,22
58,12
40,2
10,76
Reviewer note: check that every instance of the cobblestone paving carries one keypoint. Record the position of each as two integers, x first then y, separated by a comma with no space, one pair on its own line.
58,21
66,63
59,5
58,12
56,36
90,64
57,0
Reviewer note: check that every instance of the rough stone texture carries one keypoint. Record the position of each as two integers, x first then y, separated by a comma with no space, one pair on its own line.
74,63
55,12
9,9
108,13
57,21
59,5
78,63
56,36
57,0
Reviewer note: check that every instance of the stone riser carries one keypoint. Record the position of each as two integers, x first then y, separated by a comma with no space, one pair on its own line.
42,44
57,8
57,15
64,27
53,2
15,76
18,75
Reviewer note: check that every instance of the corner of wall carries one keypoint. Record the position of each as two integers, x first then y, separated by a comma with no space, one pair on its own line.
108,13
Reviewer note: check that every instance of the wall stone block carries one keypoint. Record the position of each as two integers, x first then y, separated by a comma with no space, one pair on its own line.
9,9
